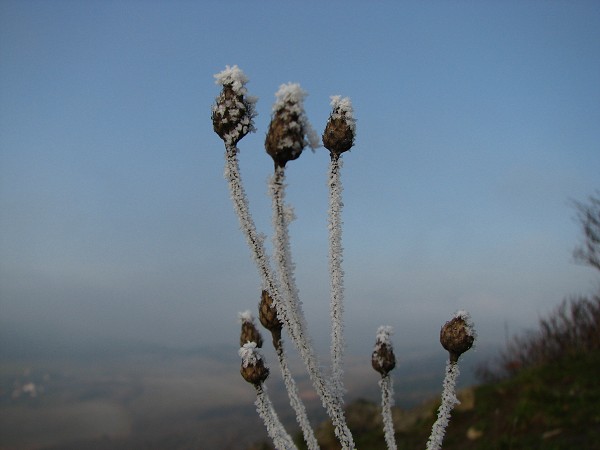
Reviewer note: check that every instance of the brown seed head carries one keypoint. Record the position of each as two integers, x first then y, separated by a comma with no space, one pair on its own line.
233,112
383,359
253,368
250,333
284,143
339,133
289,130
267,313
457,336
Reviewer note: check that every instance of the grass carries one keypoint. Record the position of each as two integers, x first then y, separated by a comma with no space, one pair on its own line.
553,406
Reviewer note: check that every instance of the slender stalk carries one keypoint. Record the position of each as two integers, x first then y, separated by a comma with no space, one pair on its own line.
282,255
297,325
387,401
336,276
448,401
295,401
284,309
281,439
253,238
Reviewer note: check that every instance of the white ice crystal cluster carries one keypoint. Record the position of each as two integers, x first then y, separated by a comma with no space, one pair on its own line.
342,109
246,316
384,336
249,354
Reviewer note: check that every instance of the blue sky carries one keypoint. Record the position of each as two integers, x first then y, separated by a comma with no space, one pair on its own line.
478,123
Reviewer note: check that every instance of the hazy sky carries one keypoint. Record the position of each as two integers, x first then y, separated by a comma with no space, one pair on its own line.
478,123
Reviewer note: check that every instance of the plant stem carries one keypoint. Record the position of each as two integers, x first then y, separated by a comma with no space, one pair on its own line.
448,401
297,324
284,311
295,401
387,401
281,438
336,275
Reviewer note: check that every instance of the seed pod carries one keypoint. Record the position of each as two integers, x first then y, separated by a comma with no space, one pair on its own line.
267,313
340,130
289,130
457,335
233,112
284,142
383,359
253,368
250,333
268,318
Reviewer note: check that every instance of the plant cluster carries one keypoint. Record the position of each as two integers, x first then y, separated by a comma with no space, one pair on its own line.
572,328
280,307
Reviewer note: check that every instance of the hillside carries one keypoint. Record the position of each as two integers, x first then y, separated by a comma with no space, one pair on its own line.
551,406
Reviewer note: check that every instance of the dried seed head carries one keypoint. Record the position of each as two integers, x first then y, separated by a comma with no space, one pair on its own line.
268,314
289,130
340,130
249,332
458,335
234,111
253,368
268,317
383,359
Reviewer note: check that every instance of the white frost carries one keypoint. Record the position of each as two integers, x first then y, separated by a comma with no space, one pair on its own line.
342,108
233,76
384,333
249,354
246,316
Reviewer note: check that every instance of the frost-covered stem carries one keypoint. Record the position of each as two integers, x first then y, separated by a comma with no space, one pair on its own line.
295,401
336,275
240,203
448,401
281,438
282,255
290,302
387,401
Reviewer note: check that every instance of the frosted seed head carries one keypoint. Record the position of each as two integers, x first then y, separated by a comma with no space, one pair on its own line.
249,332
234,111
457,335
253,368
268,318
383,359
267,313
289,131
340,130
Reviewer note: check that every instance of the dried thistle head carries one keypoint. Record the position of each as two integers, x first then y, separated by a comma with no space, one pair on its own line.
253,368
458,335
267,313
383,359
234,111
249,332
289,130
340,130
